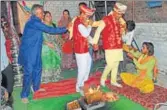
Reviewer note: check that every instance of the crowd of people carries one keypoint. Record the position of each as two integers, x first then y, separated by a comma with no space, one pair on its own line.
47,47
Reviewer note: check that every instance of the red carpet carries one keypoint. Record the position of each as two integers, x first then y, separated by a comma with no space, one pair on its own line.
147,100
65,87
56,89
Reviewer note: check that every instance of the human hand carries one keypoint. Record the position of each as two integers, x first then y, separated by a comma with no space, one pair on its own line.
51,45
90,22
126,48
130,55
69,26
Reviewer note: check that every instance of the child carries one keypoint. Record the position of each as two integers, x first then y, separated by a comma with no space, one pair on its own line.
127,39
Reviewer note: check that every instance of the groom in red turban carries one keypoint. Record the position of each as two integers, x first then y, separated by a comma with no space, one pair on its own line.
80,34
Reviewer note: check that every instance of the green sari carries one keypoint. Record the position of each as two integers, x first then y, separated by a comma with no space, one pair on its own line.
51,59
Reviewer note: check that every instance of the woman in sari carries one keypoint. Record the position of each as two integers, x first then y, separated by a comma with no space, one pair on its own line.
67,47
146,65
51,52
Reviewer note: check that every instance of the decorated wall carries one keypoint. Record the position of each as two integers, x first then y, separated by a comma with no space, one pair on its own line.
23,8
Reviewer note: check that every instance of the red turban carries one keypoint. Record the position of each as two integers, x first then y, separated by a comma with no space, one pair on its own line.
86,10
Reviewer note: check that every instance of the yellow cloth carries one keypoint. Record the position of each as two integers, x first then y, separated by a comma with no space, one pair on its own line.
143,62
113,57
145,86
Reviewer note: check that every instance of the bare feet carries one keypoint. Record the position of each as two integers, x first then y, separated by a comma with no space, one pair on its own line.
25,100
6,96
42,90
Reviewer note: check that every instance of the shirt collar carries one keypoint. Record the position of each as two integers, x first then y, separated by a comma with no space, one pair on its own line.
33,17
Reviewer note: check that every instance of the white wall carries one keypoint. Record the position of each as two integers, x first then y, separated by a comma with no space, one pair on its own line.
56,8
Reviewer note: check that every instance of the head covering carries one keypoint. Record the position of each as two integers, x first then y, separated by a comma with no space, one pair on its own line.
88,11
120,8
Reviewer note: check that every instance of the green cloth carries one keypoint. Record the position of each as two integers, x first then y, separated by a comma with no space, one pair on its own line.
149,65
59,103
50,57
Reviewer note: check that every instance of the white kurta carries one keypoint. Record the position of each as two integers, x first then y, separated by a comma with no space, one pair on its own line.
128,38
83,60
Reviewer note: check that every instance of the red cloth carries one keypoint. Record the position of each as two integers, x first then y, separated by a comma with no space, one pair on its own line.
159,95
64,87
88,11
80,42
111,37
8,49
67,47
56,89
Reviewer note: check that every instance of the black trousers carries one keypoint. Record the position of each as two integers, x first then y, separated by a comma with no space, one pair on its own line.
8,79
122,64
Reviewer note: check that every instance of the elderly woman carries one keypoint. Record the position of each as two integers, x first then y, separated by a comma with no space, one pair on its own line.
30,50
145,63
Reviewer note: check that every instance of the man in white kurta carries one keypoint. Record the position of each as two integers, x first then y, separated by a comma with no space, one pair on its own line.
81,32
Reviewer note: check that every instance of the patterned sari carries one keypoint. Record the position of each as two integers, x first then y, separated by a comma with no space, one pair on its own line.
67,46
51,59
